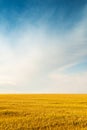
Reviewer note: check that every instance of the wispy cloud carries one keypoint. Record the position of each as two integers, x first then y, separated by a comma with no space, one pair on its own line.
33,59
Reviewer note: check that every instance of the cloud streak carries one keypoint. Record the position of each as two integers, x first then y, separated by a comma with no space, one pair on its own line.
34,60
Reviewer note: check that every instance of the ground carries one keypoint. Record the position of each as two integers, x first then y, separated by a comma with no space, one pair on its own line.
43,112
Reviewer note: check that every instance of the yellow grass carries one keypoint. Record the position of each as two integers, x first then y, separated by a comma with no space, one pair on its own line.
43,112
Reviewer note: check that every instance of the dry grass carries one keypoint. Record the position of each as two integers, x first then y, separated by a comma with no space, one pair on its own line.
43,112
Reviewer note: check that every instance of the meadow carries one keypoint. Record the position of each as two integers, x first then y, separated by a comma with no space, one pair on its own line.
43,112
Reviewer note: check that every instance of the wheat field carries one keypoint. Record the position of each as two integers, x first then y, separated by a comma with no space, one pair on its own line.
43,112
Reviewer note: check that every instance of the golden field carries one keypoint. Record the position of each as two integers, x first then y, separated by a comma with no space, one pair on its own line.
43,112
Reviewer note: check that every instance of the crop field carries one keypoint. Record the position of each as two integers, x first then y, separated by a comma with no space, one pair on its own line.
43,112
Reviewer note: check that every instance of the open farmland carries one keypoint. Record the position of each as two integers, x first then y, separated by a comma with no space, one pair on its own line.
43,112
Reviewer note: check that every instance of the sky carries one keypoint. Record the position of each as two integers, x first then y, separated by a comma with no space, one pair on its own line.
43,46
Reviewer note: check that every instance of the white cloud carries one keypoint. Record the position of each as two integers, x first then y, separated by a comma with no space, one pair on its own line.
67,83
30,58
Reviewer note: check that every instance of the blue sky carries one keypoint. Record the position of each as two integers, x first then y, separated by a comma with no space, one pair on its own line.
43,46
53,13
